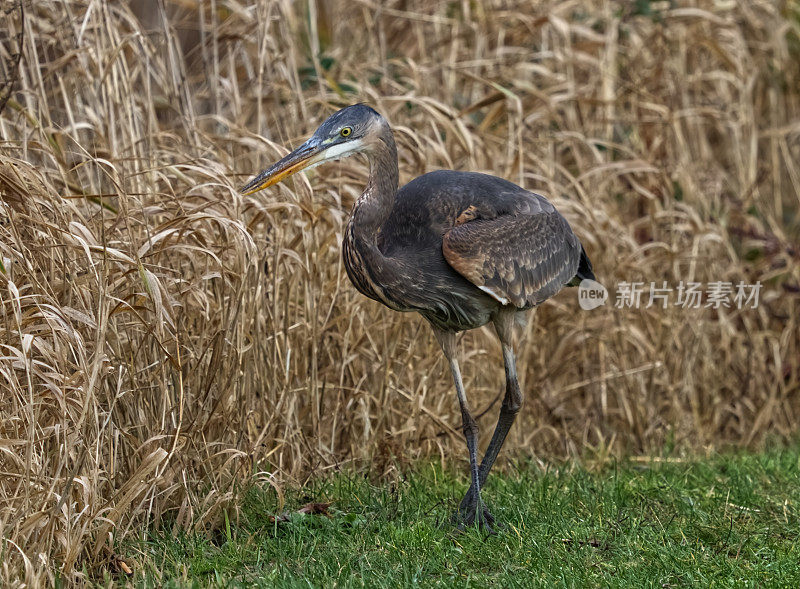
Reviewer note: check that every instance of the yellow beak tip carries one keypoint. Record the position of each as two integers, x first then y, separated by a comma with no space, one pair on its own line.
291,164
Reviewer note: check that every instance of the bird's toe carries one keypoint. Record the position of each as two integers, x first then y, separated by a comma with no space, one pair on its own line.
474,513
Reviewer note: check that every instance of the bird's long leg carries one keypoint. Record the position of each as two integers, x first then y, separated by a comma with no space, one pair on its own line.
512,402
474,511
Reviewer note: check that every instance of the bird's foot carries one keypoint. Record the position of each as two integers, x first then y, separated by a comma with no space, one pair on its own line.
472,512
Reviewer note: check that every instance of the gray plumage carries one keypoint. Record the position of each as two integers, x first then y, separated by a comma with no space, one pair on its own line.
460,248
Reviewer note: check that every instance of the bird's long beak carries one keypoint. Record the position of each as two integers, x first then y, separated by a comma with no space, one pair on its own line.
308,154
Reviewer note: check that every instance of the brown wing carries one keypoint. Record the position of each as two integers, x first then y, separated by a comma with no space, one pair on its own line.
519,259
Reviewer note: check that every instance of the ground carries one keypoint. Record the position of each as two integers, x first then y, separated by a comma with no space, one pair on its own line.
727,520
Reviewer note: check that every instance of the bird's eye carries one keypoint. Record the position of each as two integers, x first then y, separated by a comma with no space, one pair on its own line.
346,131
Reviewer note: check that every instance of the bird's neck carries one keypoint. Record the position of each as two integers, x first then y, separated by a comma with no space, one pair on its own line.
368,268
375,204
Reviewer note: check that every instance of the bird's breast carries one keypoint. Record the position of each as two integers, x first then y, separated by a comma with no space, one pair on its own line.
364,271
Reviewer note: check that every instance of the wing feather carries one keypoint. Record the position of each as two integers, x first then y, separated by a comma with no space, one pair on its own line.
520,259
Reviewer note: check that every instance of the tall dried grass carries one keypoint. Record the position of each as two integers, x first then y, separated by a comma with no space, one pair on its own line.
161,337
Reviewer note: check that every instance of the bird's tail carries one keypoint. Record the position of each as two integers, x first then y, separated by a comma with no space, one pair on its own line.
584,270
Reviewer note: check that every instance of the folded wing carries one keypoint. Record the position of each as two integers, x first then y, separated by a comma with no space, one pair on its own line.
520,258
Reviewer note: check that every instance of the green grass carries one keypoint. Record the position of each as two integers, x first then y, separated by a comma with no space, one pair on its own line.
731,521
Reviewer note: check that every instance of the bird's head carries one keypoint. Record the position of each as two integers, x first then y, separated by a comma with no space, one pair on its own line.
351,130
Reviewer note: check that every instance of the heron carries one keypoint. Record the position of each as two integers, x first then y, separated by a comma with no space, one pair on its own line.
462,249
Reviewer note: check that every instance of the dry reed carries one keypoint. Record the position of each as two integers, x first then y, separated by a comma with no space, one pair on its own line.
162,338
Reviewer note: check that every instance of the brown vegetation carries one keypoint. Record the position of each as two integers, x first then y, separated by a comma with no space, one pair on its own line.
162,337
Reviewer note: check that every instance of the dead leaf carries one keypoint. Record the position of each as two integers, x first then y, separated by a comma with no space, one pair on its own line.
311,508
